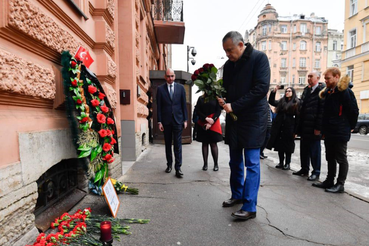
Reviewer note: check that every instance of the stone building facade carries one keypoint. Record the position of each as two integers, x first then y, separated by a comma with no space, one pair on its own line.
123,40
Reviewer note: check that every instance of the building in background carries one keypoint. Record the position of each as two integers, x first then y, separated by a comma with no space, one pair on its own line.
335,47
126,39
294,45
355,56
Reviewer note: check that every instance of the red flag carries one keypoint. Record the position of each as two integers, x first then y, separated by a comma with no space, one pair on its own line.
84,56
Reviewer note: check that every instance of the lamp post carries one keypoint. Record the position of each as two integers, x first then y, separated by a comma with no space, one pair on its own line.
193,53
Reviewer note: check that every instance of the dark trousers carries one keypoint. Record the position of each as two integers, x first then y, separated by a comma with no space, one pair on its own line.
267,136
310,150
173,132
336,152
281,155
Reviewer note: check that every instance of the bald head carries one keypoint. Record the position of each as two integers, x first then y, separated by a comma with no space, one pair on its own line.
170,76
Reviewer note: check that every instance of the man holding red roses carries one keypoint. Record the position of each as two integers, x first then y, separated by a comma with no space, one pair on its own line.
246,79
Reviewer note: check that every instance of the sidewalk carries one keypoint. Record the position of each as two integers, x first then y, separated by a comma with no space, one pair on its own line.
188,211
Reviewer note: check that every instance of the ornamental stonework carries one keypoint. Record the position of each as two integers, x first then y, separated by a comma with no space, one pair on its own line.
30,20
111,7
142,110
20,76
112,68
110,37
111,94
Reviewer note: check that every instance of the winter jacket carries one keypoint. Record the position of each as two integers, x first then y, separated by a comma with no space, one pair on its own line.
340,111
311,113
247,83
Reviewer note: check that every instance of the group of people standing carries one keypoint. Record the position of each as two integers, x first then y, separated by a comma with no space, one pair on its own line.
322,112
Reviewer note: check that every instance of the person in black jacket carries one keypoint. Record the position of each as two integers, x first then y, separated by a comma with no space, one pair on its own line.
284,126
339,120
310,126
246,79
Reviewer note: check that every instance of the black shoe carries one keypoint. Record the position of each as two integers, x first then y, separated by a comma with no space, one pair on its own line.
168,170
205,167
216,168
324,185
300,173
337,188
286,166
243,215
280,165
313,177
231,202
179,173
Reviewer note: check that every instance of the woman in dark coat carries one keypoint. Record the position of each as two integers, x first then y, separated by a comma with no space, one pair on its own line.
208,130
284,126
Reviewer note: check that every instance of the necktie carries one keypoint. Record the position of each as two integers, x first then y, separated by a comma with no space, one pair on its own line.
171,91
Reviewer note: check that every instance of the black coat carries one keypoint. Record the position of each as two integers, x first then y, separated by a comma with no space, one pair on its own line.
311,113
284,126
247,83
340,112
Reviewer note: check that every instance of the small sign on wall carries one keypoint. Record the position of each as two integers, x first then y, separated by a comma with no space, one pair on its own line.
111,197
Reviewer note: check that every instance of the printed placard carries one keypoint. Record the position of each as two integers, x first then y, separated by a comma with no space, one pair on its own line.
111,197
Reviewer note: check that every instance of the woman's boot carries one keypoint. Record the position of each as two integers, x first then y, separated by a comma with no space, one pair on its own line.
216,168
205,167
286,166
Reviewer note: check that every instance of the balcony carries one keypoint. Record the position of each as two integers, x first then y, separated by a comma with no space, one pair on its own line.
168,21
365,47
350,53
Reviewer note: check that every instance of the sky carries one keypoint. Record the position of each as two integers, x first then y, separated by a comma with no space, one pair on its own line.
207,21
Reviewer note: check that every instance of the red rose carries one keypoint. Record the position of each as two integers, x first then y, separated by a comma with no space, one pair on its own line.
74,83
107,157
211,65
104,109
196,72
108,133
106,147
206,66
73,64
92,89
101,95
103,133
112,131
110,160
193,77
84,120
201,70
113,141
101,118
79,101
95,102
110,121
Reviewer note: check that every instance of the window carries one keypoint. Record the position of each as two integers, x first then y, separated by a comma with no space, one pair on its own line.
366,70
352,39
293,79
353,7
283,29
317,63
283,80
303,45
350,72
335,45
318,30
302,80
317,47
294,62
302,62
294,46
270,45
283,62
303,28
294,28
264,30
284,45
263,45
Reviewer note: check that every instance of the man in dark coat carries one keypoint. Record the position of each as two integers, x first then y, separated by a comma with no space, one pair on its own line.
310,127
339,120
172,118
246,79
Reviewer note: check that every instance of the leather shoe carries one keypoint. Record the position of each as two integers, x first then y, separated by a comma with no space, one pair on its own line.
231,202
168,170
280,165
337,188
216,168
286,166
243,215
313,177
179,174
300,173
324,185
205,167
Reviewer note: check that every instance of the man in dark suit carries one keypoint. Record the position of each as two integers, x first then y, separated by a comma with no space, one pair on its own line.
246,78
172,118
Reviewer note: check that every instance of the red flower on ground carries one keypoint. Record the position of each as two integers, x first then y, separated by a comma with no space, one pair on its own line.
92,89
101,118
110,121
104,109
95,102
79,101
85,119
101,95
103,133
74,83
106,147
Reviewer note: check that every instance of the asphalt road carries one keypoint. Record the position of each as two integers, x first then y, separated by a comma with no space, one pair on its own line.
359,142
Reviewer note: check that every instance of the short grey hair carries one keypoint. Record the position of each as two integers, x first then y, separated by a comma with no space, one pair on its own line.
317,73
235,36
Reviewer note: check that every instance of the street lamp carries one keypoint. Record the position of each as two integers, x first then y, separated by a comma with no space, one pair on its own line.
193,53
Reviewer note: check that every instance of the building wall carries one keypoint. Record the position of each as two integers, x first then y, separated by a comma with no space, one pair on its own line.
356,57
335,47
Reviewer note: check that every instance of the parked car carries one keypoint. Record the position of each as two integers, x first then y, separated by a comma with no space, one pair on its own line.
362,125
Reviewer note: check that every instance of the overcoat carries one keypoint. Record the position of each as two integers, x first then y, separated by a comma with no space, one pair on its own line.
247,83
